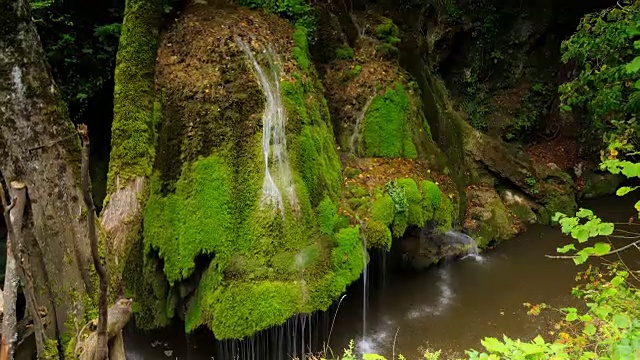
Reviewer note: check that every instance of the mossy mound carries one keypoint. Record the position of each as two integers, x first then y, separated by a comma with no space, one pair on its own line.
376,107
262,265
389,210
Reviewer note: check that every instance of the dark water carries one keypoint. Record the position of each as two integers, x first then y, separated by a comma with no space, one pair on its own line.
450,306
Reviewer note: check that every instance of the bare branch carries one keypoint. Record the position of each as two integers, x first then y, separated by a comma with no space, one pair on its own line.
635,243
50,144
101,346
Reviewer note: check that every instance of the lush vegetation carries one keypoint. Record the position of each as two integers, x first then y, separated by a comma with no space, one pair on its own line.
606,48
607,88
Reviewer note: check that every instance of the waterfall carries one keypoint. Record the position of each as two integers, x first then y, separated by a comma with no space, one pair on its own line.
356,129
274,143
457,237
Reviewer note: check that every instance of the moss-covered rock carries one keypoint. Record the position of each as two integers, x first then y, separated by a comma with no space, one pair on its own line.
377,235
386,131
206,200
487,219
600,184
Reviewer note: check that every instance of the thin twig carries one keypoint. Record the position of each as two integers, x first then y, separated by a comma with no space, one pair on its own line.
332,323
52,143
635,243
394,343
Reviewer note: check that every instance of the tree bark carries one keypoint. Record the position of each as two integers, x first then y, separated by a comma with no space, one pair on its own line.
39,148
13,221
9,321
101,347
133,130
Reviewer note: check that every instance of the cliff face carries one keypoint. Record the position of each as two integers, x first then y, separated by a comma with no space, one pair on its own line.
275,164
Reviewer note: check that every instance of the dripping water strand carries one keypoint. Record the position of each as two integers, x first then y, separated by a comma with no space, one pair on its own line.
364,343
356,130
273,136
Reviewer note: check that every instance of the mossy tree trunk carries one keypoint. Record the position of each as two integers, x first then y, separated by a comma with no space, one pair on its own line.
133,134
40,149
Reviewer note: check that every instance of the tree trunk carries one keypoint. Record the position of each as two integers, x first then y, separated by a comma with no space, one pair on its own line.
119,315
39,148
9,321
133,134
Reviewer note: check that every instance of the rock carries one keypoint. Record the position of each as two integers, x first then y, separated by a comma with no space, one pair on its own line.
487,219
600,184
520,205
502,161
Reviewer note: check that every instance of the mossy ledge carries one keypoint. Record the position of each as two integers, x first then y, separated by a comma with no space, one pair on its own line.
261,267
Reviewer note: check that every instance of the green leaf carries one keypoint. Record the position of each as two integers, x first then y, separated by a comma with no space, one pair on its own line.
373,357
633,66
566,248
583,213
586,318
572,316
625,190
601,248
637,206
590,329
580,259
617,280
580,233
557,216
605,229
621,320
493,345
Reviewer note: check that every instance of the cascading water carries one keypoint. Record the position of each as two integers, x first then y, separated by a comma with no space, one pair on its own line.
274,143
356,129
457,237
364,345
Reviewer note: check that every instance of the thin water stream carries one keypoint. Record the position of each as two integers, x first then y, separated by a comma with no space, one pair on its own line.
450,306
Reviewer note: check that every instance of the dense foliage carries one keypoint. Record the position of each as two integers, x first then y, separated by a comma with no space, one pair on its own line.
80,41
605,50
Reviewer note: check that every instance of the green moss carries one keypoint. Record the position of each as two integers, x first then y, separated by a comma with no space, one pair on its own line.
300,50
386,131
195,220
443,214
498,227
378,235
383,209
558,202
344,52
400,223
234,319
226,306
327,216
132,133
266,266
388,31
416,216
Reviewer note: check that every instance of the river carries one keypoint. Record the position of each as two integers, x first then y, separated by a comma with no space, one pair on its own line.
451,306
